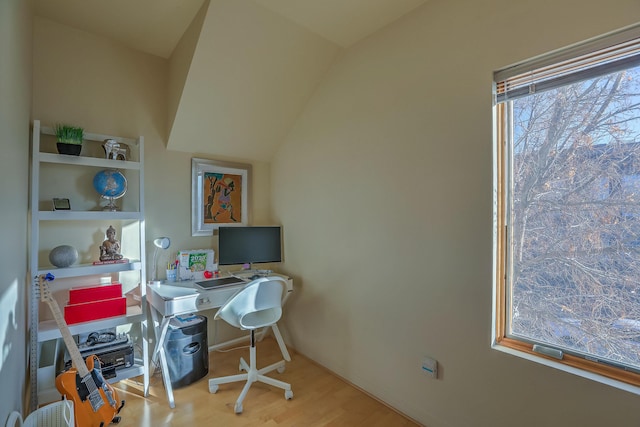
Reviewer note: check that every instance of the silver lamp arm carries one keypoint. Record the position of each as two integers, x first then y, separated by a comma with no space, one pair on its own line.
159,243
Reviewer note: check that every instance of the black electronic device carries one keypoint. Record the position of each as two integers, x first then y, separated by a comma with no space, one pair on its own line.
61,204
249,245
115,354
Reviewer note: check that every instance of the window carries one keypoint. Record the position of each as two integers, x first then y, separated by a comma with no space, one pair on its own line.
567,180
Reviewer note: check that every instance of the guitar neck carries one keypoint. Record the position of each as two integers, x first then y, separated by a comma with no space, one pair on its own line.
72,348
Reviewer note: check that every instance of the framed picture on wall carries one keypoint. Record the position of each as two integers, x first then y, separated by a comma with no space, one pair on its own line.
219,195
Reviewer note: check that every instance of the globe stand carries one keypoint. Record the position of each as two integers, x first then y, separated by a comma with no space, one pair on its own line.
111,206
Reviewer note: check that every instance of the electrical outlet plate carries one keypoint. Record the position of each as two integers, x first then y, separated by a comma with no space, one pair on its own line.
430,367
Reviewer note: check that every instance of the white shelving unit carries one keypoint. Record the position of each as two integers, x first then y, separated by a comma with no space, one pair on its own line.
65,176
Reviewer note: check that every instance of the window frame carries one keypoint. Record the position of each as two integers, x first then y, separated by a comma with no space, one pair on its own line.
595,370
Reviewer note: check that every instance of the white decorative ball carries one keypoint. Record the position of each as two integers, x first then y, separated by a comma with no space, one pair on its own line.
63,256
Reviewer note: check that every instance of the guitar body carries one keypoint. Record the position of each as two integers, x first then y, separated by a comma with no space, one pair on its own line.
105,406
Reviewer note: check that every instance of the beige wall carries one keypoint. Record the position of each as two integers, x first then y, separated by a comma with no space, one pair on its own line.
384,186
15,104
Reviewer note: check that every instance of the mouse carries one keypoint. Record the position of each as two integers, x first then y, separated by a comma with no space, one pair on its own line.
254,277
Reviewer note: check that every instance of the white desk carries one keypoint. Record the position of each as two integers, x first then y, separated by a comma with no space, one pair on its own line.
169,299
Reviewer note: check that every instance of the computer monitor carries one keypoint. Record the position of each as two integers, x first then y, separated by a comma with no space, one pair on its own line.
249,245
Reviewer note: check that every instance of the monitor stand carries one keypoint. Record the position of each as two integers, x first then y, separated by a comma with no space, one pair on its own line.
246,273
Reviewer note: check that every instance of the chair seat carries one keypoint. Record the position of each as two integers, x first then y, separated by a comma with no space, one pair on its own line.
260,318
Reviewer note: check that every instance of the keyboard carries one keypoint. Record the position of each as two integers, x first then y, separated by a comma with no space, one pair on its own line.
219,283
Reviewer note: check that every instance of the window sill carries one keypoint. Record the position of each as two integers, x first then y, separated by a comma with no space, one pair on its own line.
566,368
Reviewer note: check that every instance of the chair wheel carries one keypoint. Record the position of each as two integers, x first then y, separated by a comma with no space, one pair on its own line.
288,394
238,408
213,388
280,369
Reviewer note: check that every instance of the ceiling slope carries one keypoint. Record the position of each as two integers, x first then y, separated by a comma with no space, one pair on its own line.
343,22
152,26
251,73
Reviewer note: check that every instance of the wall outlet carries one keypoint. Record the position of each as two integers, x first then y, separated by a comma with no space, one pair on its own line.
430,367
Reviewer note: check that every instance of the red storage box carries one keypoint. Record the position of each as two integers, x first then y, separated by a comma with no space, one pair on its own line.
94,293
87,311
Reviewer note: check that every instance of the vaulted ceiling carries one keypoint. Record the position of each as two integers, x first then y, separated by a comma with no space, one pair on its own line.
240,71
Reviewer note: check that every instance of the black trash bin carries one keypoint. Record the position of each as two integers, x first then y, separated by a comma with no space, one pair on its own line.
187,349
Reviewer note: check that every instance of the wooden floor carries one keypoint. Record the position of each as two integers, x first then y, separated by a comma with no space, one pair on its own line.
320,398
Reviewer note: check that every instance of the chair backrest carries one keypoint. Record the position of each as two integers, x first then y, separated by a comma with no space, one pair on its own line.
256,305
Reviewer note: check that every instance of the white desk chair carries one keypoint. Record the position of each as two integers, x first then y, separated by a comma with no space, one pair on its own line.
257,305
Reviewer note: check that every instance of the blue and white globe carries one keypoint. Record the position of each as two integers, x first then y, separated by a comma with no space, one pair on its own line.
110,184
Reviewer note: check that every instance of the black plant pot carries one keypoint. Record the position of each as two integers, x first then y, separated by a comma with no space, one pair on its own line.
72,149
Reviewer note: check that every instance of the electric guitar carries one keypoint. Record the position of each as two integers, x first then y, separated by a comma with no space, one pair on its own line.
95,402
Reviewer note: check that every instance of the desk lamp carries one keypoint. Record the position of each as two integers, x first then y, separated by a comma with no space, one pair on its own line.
160,243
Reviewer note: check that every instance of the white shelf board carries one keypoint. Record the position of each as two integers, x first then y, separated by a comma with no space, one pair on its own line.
88,215
90,269
125,373
51,394
93,136
48,329
48,395
66,159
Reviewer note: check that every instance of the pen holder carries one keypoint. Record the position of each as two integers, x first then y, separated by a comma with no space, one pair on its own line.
172,275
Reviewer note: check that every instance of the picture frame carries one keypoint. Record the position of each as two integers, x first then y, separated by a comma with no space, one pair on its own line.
219,195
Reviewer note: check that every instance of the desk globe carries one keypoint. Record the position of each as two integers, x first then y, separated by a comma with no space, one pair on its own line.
110,184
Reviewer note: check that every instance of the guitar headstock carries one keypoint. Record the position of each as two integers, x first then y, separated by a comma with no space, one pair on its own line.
45,292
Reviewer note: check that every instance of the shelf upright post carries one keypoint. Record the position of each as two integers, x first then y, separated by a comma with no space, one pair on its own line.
34,303
143,271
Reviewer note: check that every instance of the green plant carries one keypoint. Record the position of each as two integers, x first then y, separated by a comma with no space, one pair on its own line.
69,134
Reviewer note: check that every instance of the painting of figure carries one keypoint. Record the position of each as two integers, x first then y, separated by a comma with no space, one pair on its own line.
219,195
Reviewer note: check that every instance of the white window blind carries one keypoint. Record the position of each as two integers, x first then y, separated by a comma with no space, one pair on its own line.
580,62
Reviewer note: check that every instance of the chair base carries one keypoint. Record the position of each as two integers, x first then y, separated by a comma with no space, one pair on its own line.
252,375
